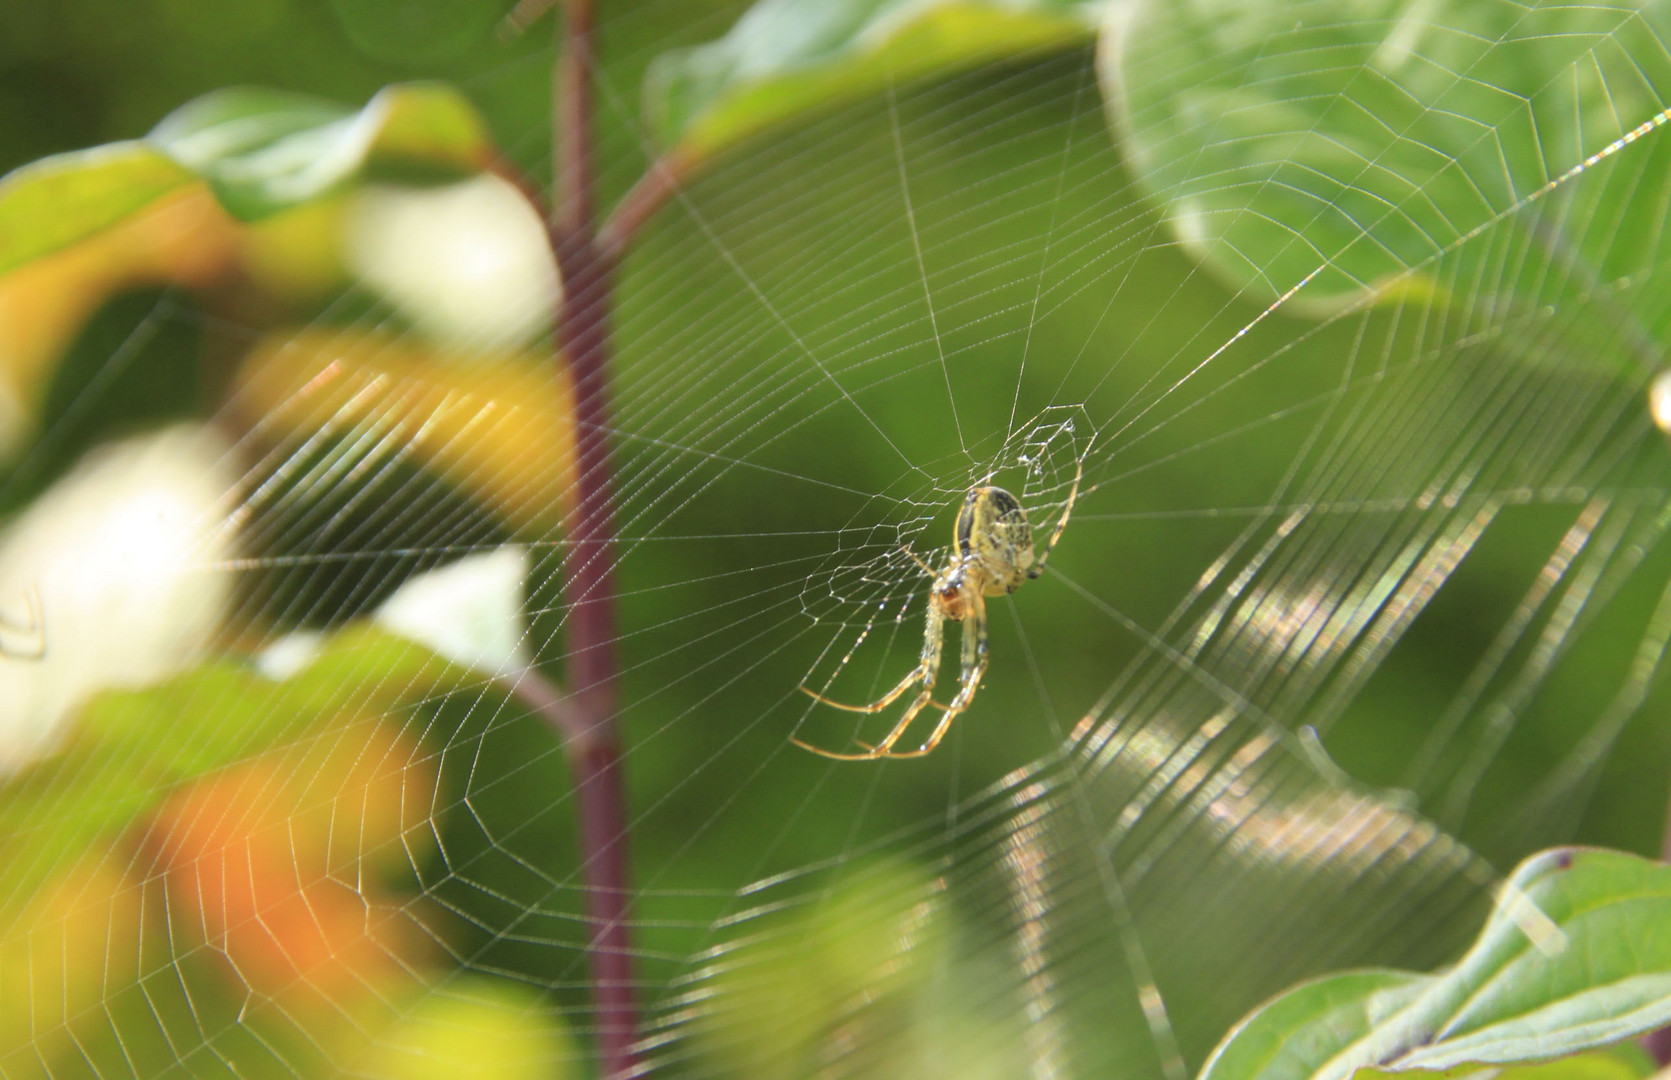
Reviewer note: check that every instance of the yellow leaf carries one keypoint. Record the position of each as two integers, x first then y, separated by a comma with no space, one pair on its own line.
183,238
499,424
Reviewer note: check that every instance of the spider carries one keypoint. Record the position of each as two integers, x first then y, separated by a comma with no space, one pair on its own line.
992,555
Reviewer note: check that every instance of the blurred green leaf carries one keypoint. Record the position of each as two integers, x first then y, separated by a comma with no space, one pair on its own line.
477,1028
842,972
265,150
133,747
1284,139
1595,970
359,668
788,57
57,201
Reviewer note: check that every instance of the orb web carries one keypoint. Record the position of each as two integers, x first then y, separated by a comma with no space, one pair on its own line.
1364,594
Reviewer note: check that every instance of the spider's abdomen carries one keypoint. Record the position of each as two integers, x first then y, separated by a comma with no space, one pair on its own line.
994,537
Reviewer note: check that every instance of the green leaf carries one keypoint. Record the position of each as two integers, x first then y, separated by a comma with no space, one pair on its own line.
58,201
133,747
260,150
785,58
265,150
1624,1062
1395,149
1575,957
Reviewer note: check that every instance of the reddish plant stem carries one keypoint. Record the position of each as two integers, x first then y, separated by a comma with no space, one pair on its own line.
572,141
595,758
592,745
1658,1046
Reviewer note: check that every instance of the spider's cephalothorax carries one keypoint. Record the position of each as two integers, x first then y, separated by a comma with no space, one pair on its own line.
992,555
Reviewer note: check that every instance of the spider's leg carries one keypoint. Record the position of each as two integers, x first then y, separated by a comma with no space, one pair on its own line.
876,706
882,749
34,628
925,672
1067,511
969,681
914,558
933,628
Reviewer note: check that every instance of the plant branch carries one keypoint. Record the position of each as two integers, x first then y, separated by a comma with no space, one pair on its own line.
548,700
593,746
652,191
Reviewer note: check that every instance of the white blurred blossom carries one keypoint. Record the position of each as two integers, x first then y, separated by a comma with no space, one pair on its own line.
289,655
468,263
115,577
469,611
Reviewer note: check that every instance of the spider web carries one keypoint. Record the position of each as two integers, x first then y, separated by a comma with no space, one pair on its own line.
1364,595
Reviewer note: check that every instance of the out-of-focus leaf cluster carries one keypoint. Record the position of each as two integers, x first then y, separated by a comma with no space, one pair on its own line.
279,808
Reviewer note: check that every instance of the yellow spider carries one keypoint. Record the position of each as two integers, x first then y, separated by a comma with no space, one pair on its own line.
992,555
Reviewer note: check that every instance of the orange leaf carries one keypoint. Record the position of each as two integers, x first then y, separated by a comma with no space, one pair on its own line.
246,856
